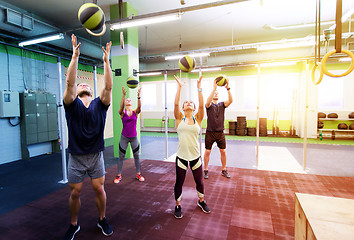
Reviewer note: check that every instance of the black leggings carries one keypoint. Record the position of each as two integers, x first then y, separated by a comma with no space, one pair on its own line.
181,170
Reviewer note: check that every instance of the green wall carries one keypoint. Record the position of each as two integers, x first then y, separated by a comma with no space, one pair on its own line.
126,62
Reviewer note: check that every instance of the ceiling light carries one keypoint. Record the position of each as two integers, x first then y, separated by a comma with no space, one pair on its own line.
42,39
149,74
207,69
304,25
145,21
292,43
174,57
345,17
277,64
345,59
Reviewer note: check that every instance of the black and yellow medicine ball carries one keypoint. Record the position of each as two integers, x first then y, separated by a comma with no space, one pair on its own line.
186,64
132,82
91,16
221,80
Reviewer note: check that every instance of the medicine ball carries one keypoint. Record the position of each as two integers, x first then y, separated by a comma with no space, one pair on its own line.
186,64
342,126
221,80
91,16
132,82
321,115
332,115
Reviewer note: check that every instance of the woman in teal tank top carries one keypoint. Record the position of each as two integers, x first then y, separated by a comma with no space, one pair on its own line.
188,128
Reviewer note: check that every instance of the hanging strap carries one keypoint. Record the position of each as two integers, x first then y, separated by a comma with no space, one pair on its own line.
318,32
338,38
120,5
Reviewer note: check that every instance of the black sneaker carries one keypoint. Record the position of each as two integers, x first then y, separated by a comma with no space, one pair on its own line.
206,174
225,173
105,227
204,207
70,233
178,212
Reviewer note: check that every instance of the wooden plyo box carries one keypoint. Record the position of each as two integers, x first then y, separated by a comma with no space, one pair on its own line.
321,217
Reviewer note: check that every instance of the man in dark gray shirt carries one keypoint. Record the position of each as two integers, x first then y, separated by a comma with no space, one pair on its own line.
215,128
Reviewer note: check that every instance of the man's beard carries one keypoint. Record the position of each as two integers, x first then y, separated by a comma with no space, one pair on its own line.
84,92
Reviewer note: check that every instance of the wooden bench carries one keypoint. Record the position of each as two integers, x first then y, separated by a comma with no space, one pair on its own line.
323,218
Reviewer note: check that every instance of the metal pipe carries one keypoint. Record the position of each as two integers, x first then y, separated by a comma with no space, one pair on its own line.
62,125
305,118
166,119
258,100
245,46
177,10
95,81
201,127
45,53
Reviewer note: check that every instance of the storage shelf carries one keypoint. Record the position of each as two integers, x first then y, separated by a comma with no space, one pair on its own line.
337,130
336,119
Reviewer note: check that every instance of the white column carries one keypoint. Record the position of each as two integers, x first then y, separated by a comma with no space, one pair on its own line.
166,119
62,125
258,99
95,81
305,117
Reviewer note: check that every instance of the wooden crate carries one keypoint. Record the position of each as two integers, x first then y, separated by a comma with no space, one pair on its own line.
323,218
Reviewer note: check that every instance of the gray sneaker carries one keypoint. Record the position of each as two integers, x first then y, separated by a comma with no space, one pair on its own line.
225,173
206,176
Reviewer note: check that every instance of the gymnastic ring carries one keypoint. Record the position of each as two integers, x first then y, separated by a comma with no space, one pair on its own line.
323,63
97,34
313,74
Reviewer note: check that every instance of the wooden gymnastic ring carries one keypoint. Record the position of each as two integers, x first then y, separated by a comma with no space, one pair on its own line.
323,63
313,74
97,34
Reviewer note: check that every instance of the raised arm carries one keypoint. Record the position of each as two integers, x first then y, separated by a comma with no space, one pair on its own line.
177,111
200,114
122,103
230,100
138,108
106,94
210,98
70,86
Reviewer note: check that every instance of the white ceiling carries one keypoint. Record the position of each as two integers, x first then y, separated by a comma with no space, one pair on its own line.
226,25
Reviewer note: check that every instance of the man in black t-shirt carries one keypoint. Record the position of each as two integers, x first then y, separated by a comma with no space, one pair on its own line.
215,128
86,118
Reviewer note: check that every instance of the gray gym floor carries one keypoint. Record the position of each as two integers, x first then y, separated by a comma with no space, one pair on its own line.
331,160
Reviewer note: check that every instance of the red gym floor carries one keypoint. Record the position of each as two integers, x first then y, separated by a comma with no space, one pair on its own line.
253,204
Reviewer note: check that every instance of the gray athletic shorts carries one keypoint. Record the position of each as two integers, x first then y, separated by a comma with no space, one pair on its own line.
79,165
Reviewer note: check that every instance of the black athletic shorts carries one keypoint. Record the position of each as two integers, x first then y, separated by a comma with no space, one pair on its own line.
218,137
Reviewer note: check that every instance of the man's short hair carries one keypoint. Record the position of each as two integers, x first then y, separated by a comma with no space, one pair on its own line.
91,91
